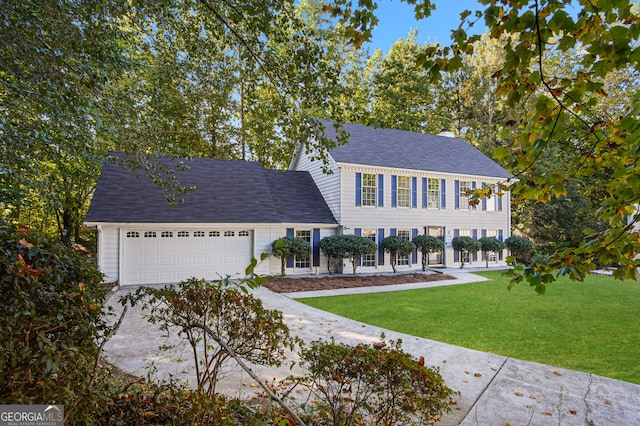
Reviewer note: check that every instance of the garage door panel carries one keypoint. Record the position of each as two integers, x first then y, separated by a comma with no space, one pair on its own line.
171,259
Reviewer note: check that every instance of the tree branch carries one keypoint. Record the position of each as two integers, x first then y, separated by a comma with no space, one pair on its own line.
246,368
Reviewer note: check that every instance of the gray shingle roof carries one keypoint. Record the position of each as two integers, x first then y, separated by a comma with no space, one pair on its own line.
408,150
226,191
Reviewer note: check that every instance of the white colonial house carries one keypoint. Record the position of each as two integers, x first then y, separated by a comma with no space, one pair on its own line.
390,182
384,182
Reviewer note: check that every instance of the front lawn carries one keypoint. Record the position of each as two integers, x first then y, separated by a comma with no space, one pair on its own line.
591,326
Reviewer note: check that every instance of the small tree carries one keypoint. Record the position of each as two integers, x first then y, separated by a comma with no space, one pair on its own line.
219,320
397,246
490,244
427,244
355,247
465,244
333,248
521,248
290,246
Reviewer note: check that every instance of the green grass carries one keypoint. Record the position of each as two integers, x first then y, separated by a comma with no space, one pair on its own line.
591,326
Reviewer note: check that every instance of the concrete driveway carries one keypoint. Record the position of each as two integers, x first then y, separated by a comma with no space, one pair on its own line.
495,390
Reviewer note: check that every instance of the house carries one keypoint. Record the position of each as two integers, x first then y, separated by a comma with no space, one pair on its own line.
234,212
391,182
384,182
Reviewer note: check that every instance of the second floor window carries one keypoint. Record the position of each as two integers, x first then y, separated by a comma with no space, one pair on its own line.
464,198
404,191
433,193
368,189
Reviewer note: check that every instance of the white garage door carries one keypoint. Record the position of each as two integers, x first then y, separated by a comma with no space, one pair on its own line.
161,256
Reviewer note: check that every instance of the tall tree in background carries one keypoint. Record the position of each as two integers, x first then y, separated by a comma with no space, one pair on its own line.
188,78
403,95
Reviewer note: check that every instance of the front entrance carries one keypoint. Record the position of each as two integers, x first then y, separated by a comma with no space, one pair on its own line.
435,259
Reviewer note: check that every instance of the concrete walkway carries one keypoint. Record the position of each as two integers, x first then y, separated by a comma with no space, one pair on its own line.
495,390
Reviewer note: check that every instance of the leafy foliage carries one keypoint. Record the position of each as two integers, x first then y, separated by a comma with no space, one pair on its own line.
378,384
52,319
490,244
351,247
397,246
427,244
465,244
290,246
521,248
218,319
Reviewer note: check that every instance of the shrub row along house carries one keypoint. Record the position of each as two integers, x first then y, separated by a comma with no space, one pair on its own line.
383,182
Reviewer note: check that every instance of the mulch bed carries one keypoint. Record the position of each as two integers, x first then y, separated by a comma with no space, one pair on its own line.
299,284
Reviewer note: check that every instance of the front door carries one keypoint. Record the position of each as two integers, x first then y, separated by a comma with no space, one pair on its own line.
436,259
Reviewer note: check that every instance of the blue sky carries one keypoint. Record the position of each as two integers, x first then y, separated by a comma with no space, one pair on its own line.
397,19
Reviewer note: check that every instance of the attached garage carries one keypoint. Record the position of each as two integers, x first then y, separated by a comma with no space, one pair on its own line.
232,214
168,256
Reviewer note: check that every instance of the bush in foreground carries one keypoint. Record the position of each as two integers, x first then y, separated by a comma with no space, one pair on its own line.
378,384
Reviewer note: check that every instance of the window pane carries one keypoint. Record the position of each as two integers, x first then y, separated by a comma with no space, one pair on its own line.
433,195
369,260
464,199
405,234
368,189
404,191
304,234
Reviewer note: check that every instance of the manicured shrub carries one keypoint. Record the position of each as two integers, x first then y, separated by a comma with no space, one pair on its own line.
290,246
521,249
490,244
397,246
427,244
465,244
333,248
351,247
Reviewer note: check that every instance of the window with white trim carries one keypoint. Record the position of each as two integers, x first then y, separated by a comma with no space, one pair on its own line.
489,203
133,234
464,198
369,260
433,193
150,234
183,234
243,234
214,233
229,234
404,191
166,234
405,234
198,233
304,234
369,189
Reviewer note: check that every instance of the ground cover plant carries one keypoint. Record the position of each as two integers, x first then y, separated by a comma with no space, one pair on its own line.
589,326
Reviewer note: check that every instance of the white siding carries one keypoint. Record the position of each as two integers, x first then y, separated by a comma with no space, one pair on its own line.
108,252
328,184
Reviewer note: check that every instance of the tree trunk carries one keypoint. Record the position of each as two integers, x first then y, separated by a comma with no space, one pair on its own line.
424,261
393,262
283,266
